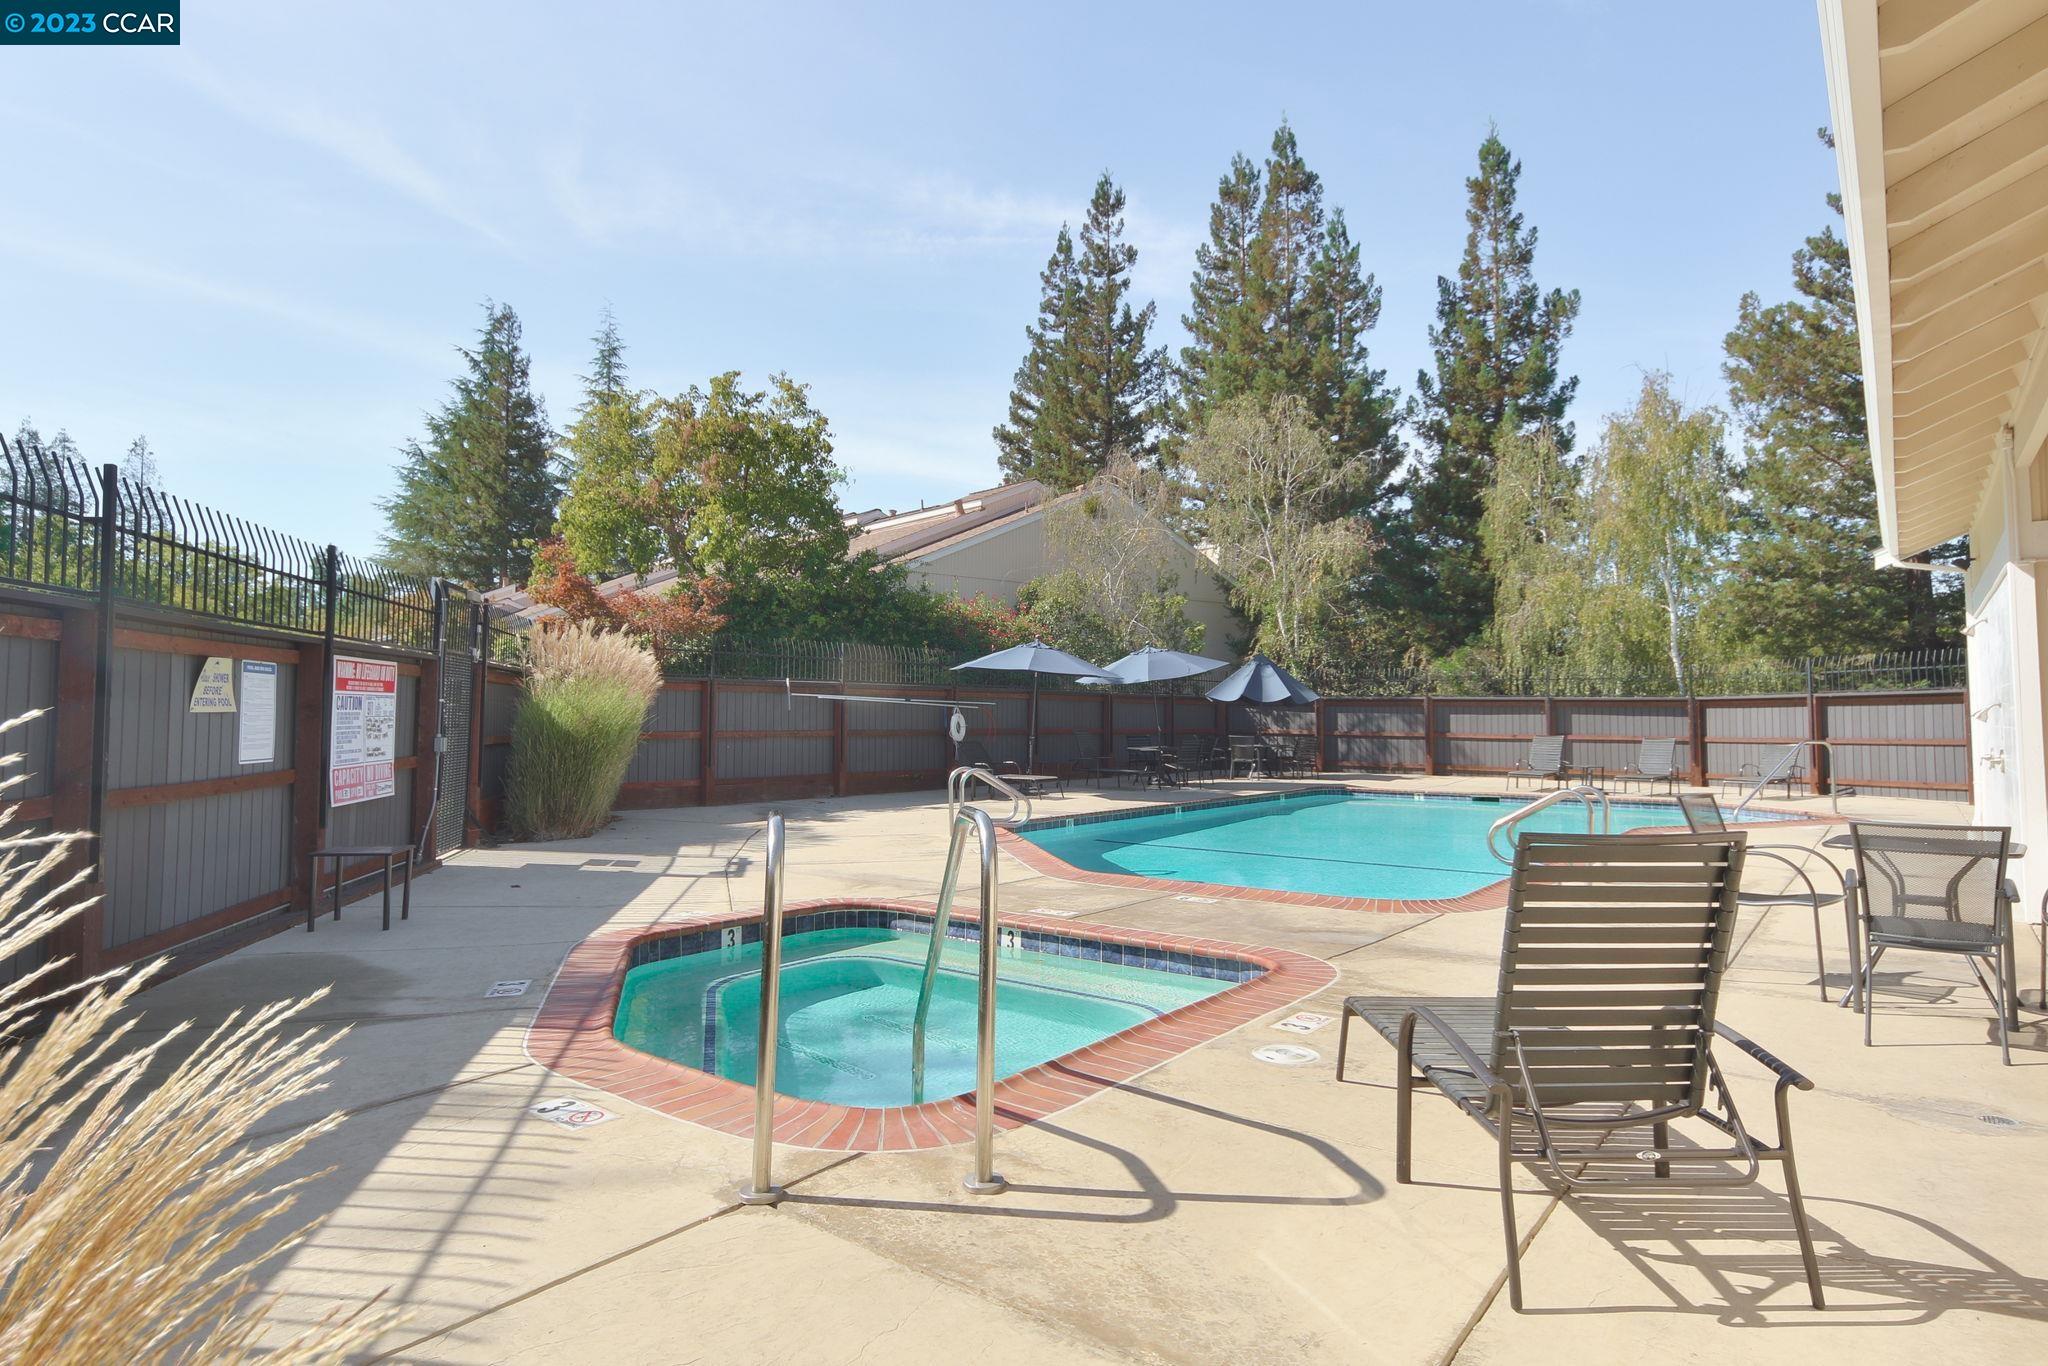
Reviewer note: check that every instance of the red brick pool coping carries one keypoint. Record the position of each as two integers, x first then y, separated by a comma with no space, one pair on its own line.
1492,897
572,1035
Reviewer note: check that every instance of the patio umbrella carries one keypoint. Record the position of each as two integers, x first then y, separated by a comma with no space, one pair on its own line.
1150,664
1034,657
1259,682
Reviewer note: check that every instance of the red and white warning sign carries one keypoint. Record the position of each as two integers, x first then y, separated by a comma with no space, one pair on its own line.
571,1112
363,731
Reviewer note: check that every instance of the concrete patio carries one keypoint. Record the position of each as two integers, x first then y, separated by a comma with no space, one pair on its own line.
1215,1209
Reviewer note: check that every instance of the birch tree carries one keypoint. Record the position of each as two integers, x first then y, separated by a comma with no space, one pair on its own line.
1659,511
1274,492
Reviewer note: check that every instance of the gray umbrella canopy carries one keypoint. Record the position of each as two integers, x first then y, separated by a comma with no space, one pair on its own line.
1035,657
1261,682
1150,664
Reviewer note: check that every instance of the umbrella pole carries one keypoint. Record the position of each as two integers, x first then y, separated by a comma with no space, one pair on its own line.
1031,736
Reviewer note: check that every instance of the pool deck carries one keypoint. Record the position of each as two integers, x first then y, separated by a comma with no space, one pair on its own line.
1213,1209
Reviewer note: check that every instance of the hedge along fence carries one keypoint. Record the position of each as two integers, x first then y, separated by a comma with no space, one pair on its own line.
713,740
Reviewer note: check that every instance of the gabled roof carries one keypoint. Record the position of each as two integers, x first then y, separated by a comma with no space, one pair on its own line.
893,536
903,534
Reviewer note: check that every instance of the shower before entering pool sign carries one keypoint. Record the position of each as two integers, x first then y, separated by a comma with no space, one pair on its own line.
363,731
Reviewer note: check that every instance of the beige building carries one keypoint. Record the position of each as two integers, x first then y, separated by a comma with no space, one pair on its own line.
988,543
1940,113
993,542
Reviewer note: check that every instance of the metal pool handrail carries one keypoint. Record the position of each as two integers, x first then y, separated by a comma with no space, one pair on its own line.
956,794
762,1190
1519,814
1777,771
983,1180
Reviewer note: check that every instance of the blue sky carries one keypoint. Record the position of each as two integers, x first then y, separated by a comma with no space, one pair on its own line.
260,247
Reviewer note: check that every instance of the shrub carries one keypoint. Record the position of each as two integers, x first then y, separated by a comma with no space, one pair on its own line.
133,1204
587,692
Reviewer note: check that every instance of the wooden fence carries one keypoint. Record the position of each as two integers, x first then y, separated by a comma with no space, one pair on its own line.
709,741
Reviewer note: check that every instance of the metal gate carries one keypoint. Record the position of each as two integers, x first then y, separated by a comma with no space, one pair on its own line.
459,620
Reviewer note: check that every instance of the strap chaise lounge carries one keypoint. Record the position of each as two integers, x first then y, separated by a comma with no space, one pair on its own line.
1602,1028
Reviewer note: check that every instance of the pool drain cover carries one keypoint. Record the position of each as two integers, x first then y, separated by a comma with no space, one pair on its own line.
1286,1055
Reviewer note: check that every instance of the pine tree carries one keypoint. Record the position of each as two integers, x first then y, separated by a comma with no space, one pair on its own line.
478,496
139,468
1807,523
1282,307
1496,338
1224,347
1089,386
608,454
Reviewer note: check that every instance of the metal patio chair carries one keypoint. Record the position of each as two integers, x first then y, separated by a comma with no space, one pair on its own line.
1192,759
1656,762
1703,817
1935,889
1544,760
1603,1021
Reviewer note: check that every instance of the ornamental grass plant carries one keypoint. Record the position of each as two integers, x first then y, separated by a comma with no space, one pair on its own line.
134,1204
587,693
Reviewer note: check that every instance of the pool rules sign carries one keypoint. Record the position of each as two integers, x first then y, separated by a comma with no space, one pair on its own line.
363,730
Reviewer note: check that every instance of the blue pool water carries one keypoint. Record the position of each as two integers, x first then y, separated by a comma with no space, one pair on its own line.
1335,843
848,997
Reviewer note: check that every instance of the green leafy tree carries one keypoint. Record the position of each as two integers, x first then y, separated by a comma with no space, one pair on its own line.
1534,536
608,450
1117,581
1282,306
736,484
1496,337
1658,516
1275,493
1090,384
1807,524
479,495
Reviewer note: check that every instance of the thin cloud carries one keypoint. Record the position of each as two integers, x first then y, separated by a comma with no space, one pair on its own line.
103,261
366,147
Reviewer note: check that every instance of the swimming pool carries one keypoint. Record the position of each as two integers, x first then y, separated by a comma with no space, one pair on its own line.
1349,844
849,993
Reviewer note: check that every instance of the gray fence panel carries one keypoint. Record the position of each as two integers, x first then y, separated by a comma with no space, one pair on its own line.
28,680
501,702
153,735
777,757
170,864
675,709
387,820
664,761
899,753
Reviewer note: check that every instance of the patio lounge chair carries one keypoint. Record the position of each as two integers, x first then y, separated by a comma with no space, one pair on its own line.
1603,1021
1935,889
974,754
1656,762
1544,760
1703,816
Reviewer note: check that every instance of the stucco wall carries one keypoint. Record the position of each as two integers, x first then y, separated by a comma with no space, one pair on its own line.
1005,559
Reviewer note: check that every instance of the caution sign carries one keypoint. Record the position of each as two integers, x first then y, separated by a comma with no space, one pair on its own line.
363,731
